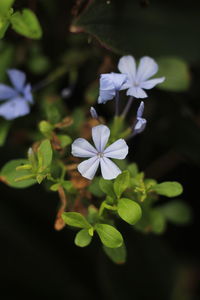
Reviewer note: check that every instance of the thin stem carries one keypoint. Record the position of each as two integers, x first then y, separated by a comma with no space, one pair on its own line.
59,223
117,103
127,107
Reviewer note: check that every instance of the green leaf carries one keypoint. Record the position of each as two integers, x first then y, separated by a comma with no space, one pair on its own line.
129,210
54,187
5,5
94,187
107,187
117,255
176,72
65,140
82,238
27,24
121,183
133,169
68,186
109,235
9,174
168,188
158,221
46,128
5,126
176,212
76,220
160,28
5,22
45,154
6,58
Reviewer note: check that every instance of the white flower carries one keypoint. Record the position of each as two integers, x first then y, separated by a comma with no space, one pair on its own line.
138,78
100,154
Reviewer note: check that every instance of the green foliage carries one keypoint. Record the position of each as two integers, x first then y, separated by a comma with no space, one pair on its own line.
94,187
121,183
83,238
176,72
4,21
109,235
9,174
5,126
65,140
76,220
129,210
168,188
27,24
5,5
44,155
117,255
133,169
107,187
157,221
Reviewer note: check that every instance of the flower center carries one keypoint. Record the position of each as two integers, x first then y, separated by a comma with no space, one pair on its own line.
136,84
100,154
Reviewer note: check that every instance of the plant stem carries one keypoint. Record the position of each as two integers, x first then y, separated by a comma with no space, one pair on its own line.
127,107
117,104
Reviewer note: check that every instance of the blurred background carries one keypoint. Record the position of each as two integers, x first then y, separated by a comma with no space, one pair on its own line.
82,39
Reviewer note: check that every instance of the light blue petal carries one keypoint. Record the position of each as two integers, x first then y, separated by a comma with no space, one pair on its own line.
89,167
118,149
81,148
149,84
93,113
109,169
27,93
17,78
140,125
14,108
118,80
147,68
127,66
140,110
7,92
100,136
136,92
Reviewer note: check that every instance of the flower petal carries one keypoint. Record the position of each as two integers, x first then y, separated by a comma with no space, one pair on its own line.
118,149
127,66
109,169
89,167
27,93
100,136
140,125
118,80
149,84
140,110
81,148
147,68
93,113
136,92
17,78
7,92
107,89
14,108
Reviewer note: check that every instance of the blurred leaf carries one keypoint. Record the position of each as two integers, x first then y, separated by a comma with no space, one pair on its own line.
121,183
129,210
107,187
176,73
117,255
94,187
27,24
38,64
9,174
133,169
65,140
4,128
76,220
176,212
5,5
45,154
6,59
160,28
168,188
158,221
82,238
109,235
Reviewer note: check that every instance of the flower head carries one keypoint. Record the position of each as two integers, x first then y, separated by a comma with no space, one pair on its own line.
140,122
110,84
17,98
99,154
138,78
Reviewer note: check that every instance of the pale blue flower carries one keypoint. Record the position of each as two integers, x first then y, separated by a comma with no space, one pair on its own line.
140,122
16,99
138,78
93,113
110,84
99,154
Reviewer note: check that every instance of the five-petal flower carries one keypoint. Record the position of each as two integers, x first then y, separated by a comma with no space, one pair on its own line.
99,154
110,84
16,99
138,78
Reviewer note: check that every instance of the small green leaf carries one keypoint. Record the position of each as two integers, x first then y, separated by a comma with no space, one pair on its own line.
109,235
121,183
133,169
83,238
117,255
9,174
76,220
46,128
68,186
65,140
54,187
5,5
26,23
94,187
107,187
129,210
168,188
5,126
44,155
158,221
176,212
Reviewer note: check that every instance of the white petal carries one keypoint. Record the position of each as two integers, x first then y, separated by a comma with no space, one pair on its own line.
118,80
17,78
118,149
140,110
147,68
136,92
14,108
149,84
100,136
127,66
109,170
89,167
140,125
81,148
